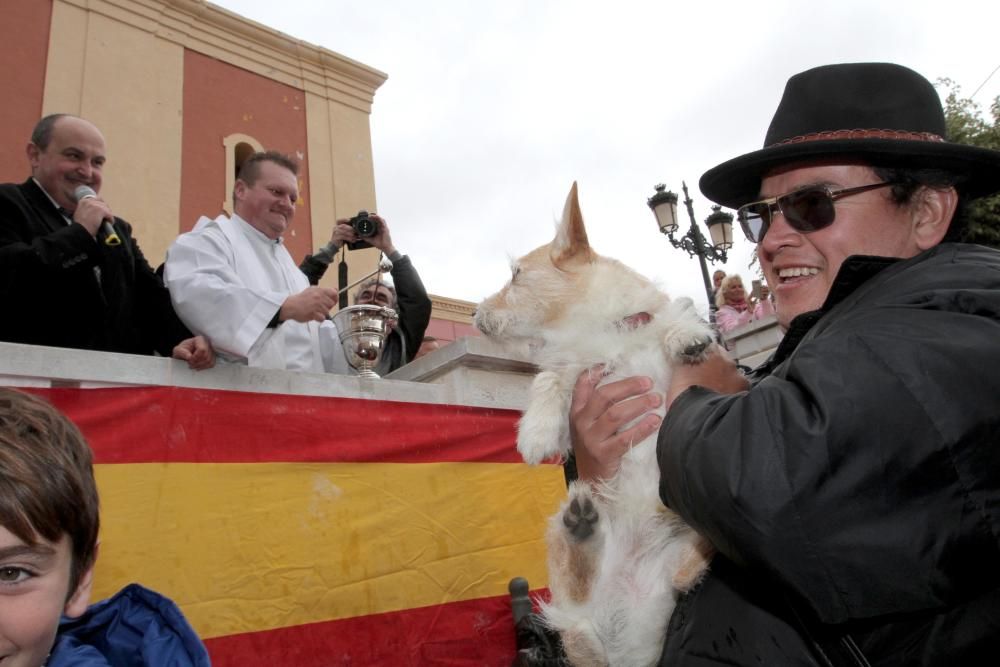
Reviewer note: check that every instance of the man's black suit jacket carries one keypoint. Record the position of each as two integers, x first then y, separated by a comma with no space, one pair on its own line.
50,293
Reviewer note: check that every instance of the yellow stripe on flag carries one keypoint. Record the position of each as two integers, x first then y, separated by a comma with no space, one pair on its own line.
251,547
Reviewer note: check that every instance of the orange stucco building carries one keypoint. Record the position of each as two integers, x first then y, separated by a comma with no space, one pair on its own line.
182,90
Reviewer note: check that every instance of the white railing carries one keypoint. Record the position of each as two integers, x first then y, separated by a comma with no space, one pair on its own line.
752,343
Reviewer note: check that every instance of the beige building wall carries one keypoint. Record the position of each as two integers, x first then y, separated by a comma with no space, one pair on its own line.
340,146
129,82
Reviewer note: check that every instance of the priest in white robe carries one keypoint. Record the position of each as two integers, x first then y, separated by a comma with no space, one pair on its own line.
233,281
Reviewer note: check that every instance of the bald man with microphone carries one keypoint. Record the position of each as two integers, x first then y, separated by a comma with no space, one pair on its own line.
71,275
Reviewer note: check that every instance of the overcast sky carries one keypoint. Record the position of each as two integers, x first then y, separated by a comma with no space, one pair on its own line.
493,109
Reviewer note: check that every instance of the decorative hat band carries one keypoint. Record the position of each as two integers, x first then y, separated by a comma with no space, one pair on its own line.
831,135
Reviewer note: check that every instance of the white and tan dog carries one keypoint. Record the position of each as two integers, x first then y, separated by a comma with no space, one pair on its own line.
617,557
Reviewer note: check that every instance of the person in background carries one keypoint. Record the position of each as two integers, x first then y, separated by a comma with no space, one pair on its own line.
428,345
717,278
48,546
61,283
734,309
413,308
852,488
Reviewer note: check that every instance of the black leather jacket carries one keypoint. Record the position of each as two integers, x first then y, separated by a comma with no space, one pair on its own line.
59,287
854,492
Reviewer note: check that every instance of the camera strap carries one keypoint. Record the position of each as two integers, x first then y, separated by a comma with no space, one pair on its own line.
342,277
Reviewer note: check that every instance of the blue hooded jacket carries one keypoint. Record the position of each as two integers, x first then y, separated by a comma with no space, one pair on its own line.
136,627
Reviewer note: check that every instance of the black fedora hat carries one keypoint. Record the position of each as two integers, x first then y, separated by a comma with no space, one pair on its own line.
884,113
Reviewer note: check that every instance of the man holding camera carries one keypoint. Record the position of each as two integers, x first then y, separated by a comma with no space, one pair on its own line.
233,281
406,295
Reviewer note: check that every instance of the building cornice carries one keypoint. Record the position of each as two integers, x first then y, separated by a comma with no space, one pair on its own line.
216,32
453,310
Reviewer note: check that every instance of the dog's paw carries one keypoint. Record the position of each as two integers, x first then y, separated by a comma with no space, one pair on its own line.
580,517
688,337
543,431
695,352
687,345
575,544
540,436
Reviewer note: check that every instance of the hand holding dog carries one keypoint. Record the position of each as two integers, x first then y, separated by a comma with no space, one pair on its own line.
597,414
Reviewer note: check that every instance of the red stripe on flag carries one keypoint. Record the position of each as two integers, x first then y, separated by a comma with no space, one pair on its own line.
179,424
475,633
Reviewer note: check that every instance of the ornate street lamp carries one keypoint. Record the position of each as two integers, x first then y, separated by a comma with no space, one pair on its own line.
720,227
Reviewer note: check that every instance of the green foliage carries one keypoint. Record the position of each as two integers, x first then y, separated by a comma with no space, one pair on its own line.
966,125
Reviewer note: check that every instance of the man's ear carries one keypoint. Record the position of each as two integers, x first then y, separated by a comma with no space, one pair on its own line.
32,151
79,600
239,190
933,209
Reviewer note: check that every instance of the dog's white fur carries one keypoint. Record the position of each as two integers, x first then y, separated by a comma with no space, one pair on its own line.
612,591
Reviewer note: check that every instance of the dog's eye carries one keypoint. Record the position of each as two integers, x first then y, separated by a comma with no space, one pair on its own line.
514,270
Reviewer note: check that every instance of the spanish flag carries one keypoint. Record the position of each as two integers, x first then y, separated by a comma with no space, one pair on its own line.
316,531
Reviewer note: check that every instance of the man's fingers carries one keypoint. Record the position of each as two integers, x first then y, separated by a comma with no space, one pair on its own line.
625,411
605,396
644,428
584,387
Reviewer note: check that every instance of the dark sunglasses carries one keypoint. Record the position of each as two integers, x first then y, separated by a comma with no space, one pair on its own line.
806,210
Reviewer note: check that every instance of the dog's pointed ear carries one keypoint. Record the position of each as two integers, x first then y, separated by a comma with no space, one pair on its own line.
571,236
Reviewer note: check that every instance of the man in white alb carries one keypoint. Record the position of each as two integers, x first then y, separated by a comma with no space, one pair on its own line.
233,281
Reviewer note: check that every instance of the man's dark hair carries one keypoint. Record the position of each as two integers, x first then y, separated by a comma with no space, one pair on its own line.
250,169
42,134
47,486
909,180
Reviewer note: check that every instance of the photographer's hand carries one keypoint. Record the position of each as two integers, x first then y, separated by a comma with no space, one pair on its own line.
382,240
342,233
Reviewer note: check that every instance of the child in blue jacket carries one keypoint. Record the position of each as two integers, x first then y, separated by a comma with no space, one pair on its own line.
49,521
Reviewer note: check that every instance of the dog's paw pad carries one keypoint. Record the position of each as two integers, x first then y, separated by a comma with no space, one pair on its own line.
580,518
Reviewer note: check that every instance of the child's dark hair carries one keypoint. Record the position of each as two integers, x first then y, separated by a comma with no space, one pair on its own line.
47,483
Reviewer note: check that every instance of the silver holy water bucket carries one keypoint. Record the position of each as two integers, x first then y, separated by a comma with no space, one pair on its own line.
362,331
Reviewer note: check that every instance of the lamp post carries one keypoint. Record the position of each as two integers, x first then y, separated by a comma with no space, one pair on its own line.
720,227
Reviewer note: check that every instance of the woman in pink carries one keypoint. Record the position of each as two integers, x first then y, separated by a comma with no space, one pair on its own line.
733,307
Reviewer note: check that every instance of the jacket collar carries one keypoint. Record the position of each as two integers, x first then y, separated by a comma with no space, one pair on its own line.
854,272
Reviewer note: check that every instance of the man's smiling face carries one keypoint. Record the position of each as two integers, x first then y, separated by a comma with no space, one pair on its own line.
73,157
800,267
269,204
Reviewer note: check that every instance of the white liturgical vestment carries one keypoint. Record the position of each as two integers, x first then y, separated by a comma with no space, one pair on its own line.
227,281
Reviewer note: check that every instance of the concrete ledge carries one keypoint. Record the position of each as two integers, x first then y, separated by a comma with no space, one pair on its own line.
476,367
459,374
752,343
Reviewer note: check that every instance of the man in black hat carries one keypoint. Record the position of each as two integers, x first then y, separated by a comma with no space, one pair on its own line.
853,491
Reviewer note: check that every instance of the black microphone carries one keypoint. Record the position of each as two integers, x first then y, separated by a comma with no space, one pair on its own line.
110,235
